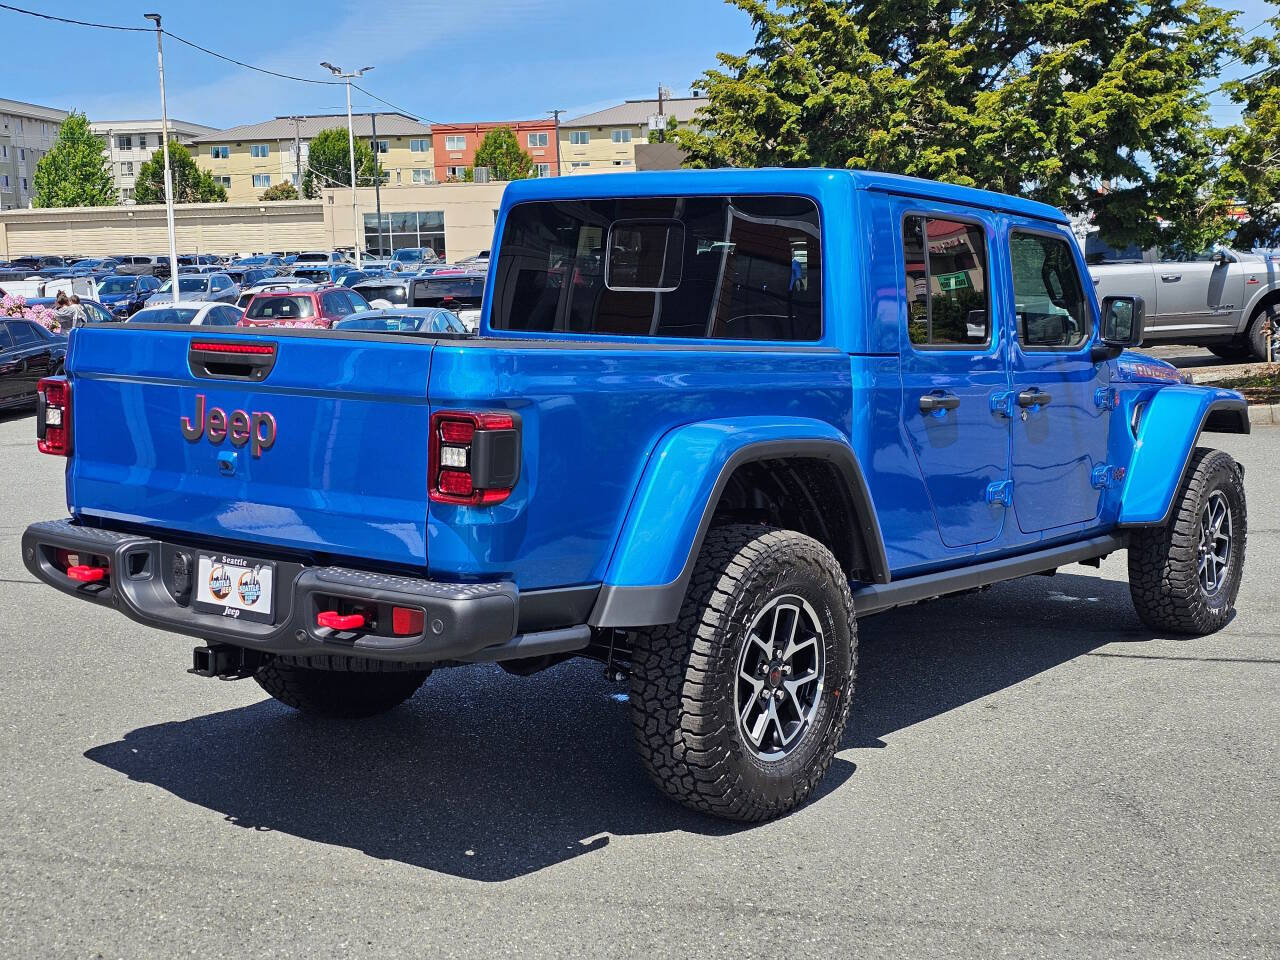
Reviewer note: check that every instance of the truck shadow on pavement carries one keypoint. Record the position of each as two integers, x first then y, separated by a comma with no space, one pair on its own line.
489,777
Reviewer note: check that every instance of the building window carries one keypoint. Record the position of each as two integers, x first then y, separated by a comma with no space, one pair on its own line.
423,175
579,164
24,184
621,136
537,139
126,168
579,138
219,153
425,228
225,181
124,142
4,151
455,143
622,163
142,141
457,173
5,181
22,153
127,194
260,150
379,146
419,146
542,169
293,178
44,129
261,180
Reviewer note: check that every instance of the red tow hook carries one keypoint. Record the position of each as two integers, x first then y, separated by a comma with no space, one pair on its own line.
336,621
87,574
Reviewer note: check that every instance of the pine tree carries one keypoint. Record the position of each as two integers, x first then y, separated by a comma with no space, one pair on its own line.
75,173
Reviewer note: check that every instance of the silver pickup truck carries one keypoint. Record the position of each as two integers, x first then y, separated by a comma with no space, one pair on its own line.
1220,300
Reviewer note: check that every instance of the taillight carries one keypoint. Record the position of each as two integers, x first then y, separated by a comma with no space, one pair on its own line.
475,457
53,416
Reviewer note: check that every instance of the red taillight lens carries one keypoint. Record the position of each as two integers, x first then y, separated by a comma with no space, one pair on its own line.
407,621
475,457
53,416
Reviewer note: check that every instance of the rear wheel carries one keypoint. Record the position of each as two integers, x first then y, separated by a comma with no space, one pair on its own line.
1264,321
739,706
342,690
1184,576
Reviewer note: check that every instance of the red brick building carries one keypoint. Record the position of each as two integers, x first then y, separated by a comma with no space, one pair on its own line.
454,145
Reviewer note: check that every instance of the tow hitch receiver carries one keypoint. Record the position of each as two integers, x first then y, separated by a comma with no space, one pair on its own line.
226,661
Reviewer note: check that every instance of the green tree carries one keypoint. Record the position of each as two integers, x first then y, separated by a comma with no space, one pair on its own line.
1096,106
329,163
75,172
285,190
1251,172
190,183
501,153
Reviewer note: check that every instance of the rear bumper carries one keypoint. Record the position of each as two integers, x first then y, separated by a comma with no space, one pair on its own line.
474,622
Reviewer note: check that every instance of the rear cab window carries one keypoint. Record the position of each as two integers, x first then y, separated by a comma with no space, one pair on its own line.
716,268
281,308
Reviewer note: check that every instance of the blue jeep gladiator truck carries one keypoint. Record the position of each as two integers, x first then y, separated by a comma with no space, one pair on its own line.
709,421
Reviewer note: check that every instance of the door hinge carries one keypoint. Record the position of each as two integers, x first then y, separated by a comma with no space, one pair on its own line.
1000,492
1105,476
1106,398
1003,403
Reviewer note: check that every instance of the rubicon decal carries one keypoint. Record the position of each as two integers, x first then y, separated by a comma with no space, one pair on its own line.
258,430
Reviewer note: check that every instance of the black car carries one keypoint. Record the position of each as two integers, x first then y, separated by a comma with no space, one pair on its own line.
124,295
27,352
37,262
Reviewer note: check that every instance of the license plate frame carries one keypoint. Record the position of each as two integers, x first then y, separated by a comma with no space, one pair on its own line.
236,587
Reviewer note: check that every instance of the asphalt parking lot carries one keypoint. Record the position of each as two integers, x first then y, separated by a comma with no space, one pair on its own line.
1028,772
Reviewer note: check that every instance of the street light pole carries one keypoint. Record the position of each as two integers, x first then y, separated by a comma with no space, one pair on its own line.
168,172
351,145
555,115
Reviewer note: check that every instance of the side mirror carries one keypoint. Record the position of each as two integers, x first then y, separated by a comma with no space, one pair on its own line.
1123,321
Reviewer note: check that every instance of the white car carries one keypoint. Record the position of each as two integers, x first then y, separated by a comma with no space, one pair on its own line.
194,314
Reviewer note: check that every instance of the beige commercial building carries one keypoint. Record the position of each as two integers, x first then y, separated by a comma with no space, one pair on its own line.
250,159
457,219
606,140
128,144
27,133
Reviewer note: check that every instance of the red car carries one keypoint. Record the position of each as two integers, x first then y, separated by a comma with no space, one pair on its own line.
318,308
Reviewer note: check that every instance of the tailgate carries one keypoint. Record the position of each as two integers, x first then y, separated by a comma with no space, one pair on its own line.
327,453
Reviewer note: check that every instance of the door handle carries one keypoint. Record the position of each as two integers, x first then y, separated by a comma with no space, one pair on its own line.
938,403
1170,277
1035,397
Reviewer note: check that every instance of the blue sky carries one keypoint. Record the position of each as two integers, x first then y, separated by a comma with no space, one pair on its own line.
445,60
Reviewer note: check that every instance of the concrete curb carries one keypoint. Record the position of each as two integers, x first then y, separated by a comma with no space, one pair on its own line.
1264,413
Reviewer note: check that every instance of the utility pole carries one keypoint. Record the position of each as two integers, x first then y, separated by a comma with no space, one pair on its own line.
168,172
377,183
351,145
662,124
297,155
555,115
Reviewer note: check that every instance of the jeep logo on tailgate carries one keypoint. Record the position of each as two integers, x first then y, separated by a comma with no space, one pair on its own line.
256,429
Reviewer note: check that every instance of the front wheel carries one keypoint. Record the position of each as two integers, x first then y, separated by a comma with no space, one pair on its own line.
739,706
1184,576
1263,326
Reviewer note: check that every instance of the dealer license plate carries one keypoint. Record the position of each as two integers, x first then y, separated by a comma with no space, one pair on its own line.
236,587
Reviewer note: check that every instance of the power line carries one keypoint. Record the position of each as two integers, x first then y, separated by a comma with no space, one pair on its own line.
249,66
78,23
388,103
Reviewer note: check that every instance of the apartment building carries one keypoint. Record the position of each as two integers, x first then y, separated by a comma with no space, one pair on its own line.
250,159
606,140
27,132
456,143
128,144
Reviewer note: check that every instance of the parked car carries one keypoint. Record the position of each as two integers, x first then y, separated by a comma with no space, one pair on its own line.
38,263
324,274
193,287
1220,299
94,311
144,264
28,352
125,295
410,258
261,260
352,277
479,262
319,257
405,320
101,266
247,276
195,313
463,294
318,307
715,418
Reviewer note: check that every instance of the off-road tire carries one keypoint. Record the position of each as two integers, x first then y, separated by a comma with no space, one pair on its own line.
684,676
1256,338
345,688
1163,578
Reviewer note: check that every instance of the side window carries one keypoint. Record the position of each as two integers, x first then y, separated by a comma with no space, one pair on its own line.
335,305
1049,300
24,335
357,302
946,282
6,341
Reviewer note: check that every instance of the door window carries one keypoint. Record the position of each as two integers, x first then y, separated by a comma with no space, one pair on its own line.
946,283
1050,305
24,335
5,340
